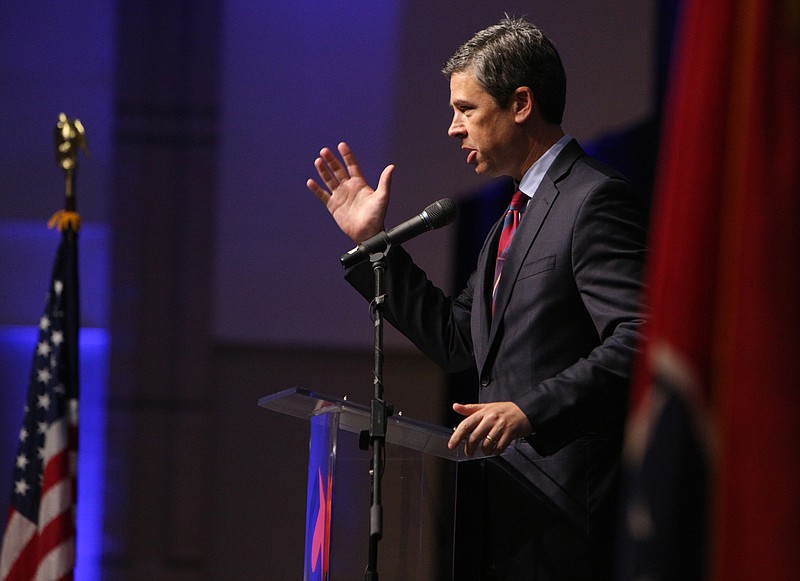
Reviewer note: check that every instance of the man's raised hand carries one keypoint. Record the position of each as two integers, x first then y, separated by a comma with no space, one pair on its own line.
358,209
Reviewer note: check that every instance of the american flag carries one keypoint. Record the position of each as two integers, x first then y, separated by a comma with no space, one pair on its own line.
39,538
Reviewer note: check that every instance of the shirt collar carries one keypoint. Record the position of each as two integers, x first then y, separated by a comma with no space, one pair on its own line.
534,176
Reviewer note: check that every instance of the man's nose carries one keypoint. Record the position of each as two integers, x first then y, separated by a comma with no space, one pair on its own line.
456,128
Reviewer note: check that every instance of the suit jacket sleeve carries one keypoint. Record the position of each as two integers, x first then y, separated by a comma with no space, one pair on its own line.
437,324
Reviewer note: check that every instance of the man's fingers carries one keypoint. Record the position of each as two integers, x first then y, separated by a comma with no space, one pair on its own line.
385,181
495,442
492,427
466,409
489,443
318,191
471,432
463,432
353,169
335,167
325,172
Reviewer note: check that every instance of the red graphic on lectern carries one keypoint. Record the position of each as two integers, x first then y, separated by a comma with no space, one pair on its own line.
320,541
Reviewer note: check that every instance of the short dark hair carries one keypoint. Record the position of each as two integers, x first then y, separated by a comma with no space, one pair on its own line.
510,54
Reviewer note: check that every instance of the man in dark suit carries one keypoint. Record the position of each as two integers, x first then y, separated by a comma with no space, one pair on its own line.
553,338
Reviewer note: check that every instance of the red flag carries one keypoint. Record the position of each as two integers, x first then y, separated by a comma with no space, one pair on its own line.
721,357
39,539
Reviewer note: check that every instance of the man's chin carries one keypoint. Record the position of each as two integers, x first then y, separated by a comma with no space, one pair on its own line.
480,168
483,170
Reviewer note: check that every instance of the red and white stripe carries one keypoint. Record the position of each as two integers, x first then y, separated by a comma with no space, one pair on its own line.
46,551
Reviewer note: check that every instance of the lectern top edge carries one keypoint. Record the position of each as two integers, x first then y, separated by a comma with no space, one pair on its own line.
401,430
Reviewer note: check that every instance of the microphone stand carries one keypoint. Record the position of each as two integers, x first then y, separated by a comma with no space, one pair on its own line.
379,412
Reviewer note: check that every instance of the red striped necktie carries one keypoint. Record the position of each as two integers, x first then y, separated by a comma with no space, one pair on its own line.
510,223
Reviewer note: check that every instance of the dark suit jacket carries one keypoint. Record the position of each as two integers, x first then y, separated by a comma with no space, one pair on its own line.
561,341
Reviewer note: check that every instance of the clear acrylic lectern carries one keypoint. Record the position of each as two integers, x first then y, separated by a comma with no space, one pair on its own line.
419,491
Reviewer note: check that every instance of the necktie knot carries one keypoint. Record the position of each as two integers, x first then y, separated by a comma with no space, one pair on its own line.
518,201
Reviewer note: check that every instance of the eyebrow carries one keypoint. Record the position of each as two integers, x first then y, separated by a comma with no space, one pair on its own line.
461,103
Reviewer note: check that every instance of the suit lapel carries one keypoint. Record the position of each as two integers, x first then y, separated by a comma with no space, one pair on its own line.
534,216
483,293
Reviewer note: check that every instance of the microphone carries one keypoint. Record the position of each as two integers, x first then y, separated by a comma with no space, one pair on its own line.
435,216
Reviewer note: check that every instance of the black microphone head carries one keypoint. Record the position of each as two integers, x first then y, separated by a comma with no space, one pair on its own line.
440,213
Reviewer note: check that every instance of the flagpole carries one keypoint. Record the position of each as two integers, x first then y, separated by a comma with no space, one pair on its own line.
70,137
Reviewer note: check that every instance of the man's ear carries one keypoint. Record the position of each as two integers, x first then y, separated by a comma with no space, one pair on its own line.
523,104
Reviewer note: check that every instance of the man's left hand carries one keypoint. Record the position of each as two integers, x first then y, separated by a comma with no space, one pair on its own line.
492,426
